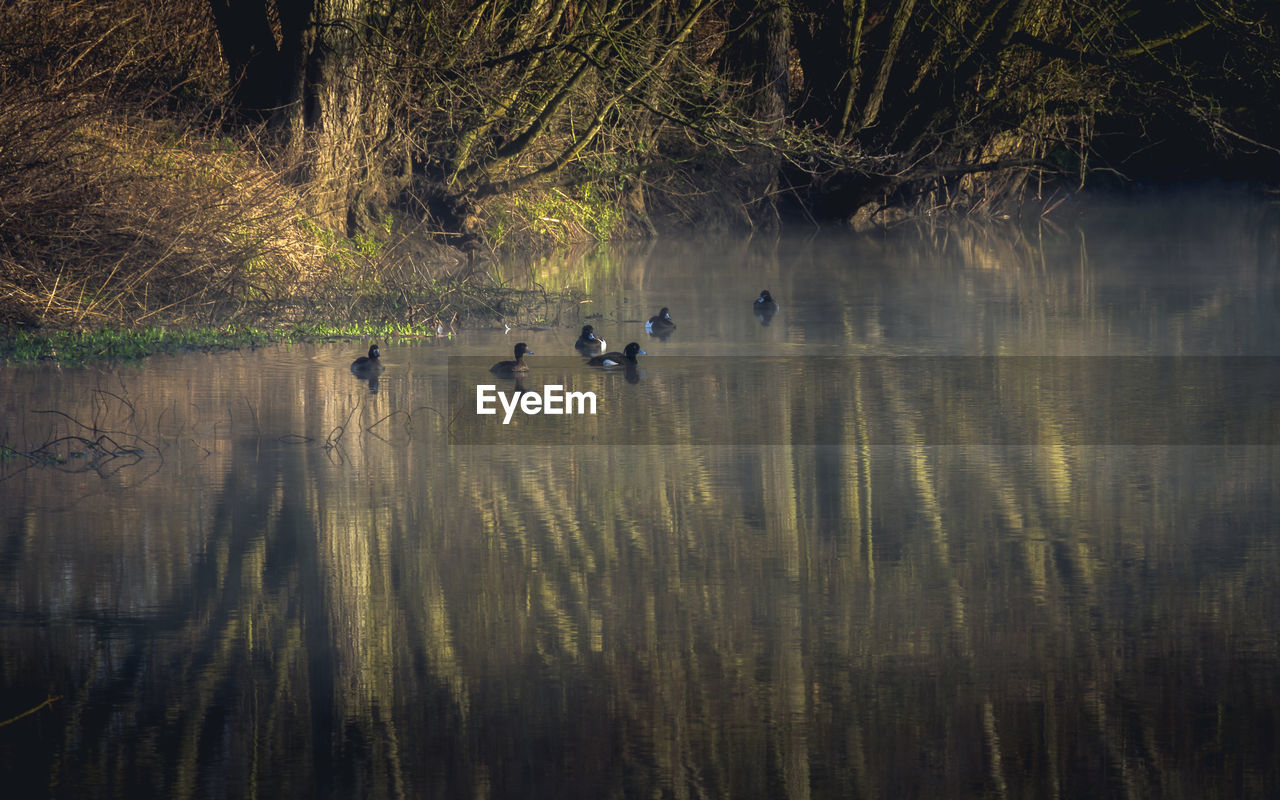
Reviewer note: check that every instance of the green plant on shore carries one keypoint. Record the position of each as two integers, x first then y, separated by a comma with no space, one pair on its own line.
367,245
553,218
74,348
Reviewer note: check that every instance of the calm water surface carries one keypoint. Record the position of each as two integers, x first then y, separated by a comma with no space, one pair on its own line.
981,512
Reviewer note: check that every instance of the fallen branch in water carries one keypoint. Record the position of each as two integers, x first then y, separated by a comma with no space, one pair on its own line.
99,450
49,701
335,435
96,453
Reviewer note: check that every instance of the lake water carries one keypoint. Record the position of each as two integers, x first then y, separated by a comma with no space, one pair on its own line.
981,512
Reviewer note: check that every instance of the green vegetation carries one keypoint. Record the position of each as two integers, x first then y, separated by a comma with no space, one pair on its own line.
73,348
555,218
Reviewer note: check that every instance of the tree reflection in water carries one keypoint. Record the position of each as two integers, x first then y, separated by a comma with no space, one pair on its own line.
241,613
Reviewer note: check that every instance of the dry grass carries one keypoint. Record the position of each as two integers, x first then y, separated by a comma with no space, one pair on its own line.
122,206
124,220
107,213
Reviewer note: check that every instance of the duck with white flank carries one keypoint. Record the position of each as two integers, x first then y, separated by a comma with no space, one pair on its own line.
615,359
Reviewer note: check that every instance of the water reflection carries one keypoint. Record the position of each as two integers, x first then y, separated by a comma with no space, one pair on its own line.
297,587
925,400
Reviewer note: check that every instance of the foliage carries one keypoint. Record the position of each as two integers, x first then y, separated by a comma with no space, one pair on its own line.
76,348
553,217
114,212
966,100
681,108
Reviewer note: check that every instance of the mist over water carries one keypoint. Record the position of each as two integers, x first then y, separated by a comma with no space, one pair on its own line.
901,540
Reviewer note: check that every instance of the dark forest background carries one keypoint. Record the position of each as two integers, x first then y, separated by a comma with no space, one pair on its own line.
204,153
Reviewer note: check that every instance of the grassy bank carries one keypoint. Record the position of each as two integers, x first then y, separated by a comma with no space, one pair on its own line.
128,223
75,348
125,236
135,219
79,346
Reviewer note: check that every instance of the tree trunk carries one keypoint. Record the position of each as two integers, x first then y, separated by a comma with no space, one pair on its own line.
264,61
348,114
901,17
313,75
759,56
829,44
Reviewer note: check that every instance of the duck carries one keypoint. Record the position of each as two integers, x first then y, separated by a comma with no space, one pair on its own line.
368,365
660,323
615,359
509,369
588,343
765,307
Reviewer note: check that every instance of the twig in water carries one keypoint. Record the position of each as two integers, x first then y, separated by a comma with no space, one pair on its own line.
331,440
49,701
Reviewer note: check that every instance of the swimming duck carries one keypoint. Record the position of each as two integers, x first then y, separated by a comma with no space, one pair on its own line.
615,359
661,323
765,307
588,343
367,365
507,369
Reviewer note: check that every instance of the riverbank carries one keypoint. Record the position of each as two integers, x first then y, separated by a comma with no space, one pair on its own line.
76,348
392,308
491,304
160,171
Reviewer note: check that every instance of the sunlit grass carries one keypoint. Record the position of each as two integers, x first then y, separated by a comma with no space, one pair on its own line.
72,348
